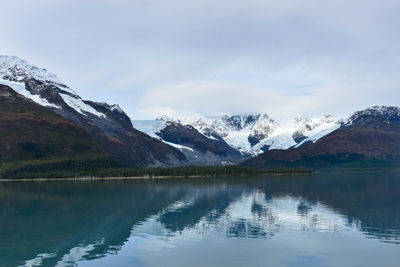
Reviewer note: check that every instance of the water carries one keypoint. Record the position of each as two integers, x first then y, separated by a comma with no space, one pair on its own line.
336,219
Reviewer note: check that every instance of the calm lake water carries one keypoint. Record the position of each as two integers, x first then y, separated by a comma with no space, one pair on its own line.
335,219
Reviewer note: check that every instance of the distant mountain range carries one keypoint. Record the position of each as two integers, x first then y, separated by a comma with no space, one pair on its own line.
233,138
42,118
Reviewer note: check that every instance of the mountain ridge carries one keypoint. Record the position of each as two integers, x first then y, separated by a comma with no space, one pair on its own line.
368,138
249,134
224,139
107,124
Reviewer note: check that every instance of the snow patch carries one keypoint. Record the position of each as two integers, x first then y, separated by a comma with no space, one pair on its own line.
281,141
152,127
180,147
212,137
327,129
80,106
149,127
20,89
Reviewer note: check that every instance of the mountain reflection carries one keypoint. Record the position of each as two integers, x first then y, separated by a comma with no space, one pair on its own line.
62,223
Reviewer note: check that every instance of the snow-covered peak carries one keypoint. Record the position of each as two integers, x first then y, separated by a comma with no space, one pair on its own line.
254,133
251,134
238,122
17,70
387,112
288,134
239,131
167,119
40,86
227,123
306,125
311,130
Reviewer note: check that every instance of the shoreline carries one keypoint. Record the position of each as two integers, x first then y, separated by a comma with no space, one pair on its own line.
147,177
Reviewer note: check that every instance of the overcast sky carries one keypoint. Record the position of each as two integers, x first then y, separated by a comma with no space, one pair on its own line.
286,58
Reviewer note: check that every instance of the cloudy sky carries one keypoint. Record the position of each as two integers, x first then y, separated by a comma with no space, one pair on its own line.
286,58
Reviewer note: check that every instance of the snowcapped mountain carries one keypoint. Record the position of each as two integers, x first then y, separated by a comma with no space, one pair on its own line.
369,138
254,134
107,124
241,132
374,117
200,140
198,148
249,134
42,87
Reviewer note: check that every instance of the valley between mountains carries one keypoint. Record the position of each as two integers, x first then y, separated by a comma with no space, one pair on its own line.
44,121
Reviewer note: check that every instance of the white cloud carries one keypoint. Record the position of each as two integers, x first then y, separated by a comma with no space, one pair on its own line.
312,55
215,97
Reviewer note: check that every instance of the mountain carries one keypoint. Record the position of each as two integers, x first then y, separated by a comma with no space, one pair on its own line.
106,124
254,134
198,148
234,138
368,138
34,102
30,131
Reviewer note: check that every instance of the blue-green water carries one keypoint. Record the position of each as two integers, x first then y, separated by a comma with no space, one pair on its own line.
336,219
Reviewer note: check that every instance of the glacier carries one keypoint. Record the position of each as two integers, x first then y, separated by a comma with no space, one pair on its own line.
250,134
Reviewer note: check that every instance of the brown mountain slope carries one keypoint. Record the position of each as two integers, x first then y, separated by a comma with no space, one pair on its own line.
29,131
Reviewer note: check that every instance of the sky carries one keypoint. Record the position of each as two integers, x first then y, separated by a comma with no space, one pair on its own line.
285,58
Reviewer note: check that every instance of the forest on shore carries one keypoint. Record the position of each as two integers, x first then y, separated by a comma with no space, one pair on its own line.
109,167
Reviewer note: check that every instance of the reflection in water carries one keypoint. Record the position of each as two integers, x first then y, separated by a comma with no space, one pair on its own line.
300,220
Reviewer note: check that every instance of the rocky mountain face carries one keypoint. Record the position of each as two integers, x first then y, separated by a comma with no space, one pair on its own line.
235,138
106,124
368,138
198,148
202,149
376,117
